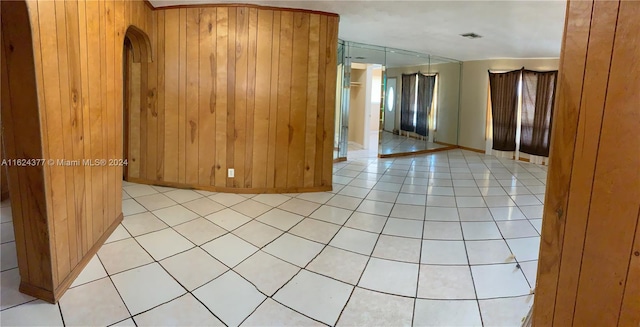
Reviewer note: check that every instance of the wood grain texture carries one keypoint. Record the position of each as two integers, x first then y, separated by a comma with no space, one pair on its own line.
589,268
20,107
160,107
252,6
330,100
284,99
69,55
590,119
273,103
244,88
171,99
207,93
221,50
297,115
262,97
563,138
181,95
608,244
238,110
192,97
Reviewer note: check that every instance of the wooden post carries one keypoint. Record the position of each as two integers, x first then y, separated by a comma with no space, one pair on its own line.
589,267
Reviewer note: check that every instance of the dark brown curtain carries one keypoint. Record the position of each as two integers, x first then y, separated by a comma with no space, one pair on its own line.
538,95
426,85
504,107
407,108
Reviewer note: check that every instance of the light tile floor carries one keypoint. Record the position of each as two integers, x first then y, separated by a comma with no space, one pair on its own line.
449,238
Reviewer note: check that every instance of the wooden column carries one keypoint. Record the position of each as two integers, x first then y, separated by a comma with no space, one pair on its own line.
589,267
61,102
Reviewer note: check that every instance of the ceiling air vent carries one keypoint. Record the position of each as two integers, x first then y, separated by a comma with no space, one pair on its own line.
471,35
360,58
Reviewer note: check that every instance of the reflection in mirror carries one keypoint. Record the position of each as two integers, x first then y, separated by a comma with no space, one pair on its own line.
425,95
365,80
395,102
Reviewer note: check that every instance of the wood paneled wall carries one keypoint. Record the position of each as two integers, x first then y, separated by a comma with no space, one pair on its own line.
589,267
4,182
63,211
239,87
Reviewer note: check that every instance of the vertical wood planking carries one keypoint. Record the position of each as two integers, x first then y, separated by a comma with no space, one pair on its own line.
330,101
207,94
49,48
110,171
37,273
262,99
298,110
222,52
118,112
252,48
273,105
152,99
229,87
231,91
160,58
629,313
284,99
76,122
322,80
616,188
19,79
104,110
312,101
598,59
182,97
247,92
141,109
67,141
572,63
599,269
134,115
19,200
171,68
239,110
192,101
86,124
78,60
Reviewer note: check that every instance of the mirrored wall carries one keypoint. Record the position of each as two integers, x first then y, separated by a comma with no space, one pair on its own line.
394,102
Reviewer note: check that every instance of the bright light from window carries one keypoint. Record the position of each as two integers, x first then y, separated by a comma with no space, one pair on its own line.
390,99
415,104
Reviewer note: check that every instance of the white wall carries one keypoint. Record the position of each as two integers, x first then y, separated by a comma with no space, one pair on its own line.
357,105
376,88
474,91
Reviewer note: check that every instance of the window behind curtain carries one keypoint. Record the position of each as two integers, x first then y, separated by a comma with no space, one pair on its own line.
504,108
538,95
426,85
407,108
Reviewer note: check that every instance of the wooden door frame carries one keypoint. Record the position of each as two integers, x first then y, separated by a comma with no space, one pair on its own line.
136,49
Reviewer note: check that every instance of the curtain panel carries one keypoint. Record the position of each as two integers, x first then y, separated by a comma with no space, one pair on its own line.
538,95
504,107
407,107
426,85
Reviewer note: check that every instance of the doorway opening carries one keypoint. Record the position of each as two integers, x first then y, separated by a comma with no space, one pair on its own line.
364,109
136,55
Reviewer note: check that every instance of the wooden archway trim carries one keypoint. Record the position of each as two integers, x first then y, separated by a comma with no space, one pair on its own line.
141,44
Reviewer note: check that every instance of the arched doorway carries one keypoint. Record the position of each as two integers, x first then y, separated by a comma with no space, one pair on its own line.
136,55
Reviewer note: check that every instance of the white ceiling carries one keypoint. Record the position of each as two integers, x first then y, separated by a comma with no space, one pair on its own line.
510,28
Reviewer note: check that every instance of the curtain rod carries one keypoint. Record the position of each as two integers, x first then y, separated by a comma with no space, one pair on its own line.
419,72
504,71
